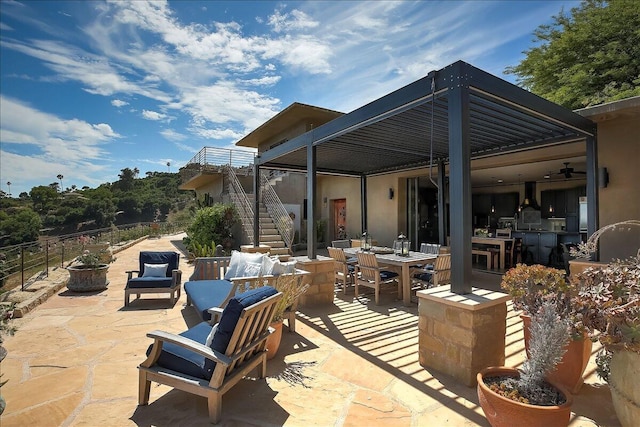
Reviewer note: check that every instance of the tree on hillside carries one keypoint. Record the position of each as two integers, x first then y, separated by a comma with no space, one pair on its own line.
42,196
127,177
23,225
585,58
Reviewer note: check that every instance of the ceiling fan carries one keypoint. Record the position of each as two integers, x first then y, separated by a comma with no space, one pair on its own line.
567,171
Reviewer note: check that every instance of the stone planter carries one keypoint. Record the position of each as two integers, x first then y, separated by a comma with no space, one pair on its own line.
503,412
87,278
625,389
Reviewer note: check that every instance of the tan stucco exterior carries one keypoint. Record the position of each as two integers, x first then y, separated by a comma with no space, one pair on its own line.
619,152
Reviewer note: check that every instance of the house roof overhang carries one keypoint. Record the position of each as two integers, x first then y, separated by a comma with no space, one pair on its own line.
282,121
409,128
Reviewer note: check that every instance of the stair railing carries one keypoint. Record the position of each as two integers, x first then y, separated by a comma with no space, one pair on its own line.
277,211
241,201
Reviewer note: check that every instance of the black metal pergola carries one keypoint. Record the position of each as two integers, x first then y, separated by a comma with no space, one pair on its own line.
449,117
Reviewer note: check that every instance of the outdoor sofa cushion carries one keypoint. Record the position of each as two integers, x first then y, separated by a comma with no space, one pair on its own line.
149,282
205,294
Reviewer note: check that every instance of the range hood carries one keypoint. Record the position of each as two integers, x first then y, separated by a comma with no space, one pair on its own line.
529,196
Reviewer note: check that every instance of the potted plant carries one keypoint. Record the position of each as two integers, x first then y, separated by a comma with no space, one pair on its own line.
6,314
88,273
526,397
608,306
292,287
530,286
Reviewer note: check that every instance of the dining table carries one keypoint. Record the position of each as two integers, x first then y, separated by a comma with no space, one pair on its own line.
386,256
500,242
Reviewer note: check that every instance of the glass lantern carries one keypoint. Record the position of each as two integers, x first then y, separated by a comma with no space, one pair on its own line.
365,242
401,245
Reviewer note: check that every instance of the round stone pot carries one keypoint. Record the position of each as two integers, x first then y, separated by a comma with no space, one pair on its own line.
625,389
88,278
503,412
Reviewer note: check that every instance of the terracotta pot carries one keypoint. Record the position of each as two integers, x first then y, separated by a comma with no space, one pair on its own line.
569,371
86,278
503,412
625,389
273,341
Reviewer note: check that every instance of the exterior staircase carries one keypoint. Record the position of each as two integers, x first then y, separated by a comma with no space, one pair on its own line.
274,221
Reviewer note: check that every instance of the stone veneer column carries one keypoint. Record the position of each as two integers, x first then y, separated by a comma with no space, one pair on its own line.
322,281
459,335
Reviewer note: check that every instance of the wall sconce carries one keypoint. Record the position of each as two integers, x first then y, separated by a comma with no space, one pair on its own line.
493,209
603,177
390,193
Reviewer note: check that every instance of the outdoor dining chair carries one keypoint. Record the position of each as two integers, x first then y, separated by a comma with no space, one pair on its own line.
344,269
368,273
440,274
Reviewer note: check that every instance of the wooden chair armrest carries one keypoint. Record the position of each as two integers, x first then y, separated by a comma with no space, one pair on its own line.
161,337
130,273
176,276
216,314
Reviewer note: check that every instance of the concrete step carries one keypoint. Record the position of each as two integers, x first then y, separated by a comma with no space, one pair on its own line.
273,243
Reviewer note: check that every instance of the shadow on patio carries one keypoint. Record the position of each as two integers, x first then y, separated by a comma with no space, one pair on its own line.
73,362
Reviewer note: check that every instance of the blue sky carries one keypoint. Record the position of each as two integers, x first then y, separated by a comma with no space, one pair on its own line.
89,88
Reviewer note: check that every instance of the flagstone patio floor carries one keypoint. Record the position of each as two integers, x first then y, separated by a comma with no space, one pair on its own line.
73,363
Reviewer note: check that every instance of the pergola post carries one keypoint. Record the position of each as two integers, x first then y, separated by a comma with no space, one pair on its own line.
312,238
256,205
460,189
442,214
363,199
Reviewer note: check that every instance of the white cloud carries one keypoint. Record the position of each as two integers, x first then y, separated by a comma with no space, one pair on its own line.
173,135
71,147
294,21
153,115
119,103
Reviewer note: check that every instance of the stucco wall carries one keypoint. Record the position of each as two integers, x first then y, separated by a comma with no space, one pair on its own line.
330,188
619,152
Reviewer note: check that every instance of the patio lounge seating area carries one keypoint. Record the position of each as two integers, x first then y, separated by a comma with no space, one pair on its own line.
74,361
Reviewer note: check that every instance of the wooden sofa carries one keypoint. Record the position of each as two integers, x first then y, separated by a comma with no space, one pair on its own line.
208,291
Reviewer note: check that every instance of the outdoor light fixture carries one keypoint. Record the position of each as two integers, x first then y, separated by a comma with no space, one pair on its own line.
390,193
401,246
365,242
603,177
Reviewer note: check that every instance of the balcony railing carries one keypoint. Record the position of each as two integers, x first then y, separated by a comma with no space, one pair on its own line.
214,159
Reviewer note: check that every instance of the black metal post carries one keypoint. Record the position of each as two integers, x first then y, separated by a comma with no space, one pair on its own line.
442,203
256,205
312,237
363,198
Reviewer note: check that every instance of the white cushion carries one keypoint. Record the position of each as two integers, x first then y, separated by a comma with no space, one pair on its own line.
267,266
211,334
238,262
155,270
284,267
251,269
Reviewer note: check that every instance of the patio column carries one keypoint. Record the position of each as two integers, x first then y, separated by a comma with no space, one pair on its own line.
592,185
442,213
363,202
460,188
312,238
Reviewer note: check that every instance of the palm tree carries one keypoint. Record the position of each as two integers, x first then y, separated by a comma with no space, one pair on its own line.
169,166
60,178
9,185
136,171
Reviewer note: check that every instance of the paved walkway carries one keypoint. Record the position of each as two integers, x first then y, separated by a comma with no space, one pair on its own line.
73,363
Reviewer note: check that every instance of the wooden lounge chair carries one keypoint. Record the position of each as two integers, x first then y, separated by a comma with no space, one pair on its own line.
158,273
185,361
368,273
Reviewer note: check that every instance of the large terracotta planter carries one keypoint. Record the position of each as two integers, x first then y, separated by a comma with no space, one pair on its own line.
503,412
570,370
625,386
273,341
87,278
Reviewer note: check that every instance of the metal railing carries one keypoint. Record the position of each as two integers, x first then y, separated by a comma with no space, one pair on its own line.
242,202
20,263
216,159
277,211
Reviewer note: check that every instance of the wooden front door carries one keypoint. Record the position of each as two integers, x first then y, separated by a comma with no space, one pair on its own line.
339,219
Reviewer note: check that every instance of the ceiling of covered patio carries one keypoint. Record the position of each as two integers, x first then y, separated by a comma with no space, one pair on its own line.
409,128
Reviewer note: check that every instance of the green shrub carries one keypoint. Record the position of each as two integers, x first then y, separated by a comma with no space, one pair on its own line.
212,224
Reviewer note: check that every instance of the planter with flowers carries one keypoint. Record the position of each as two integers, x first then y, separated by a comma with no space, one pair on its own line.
530,286
608,306
88,273
6,314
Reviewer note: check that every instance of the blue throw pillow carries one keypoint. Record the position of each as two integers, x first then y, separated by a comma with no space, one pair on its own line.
231,314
